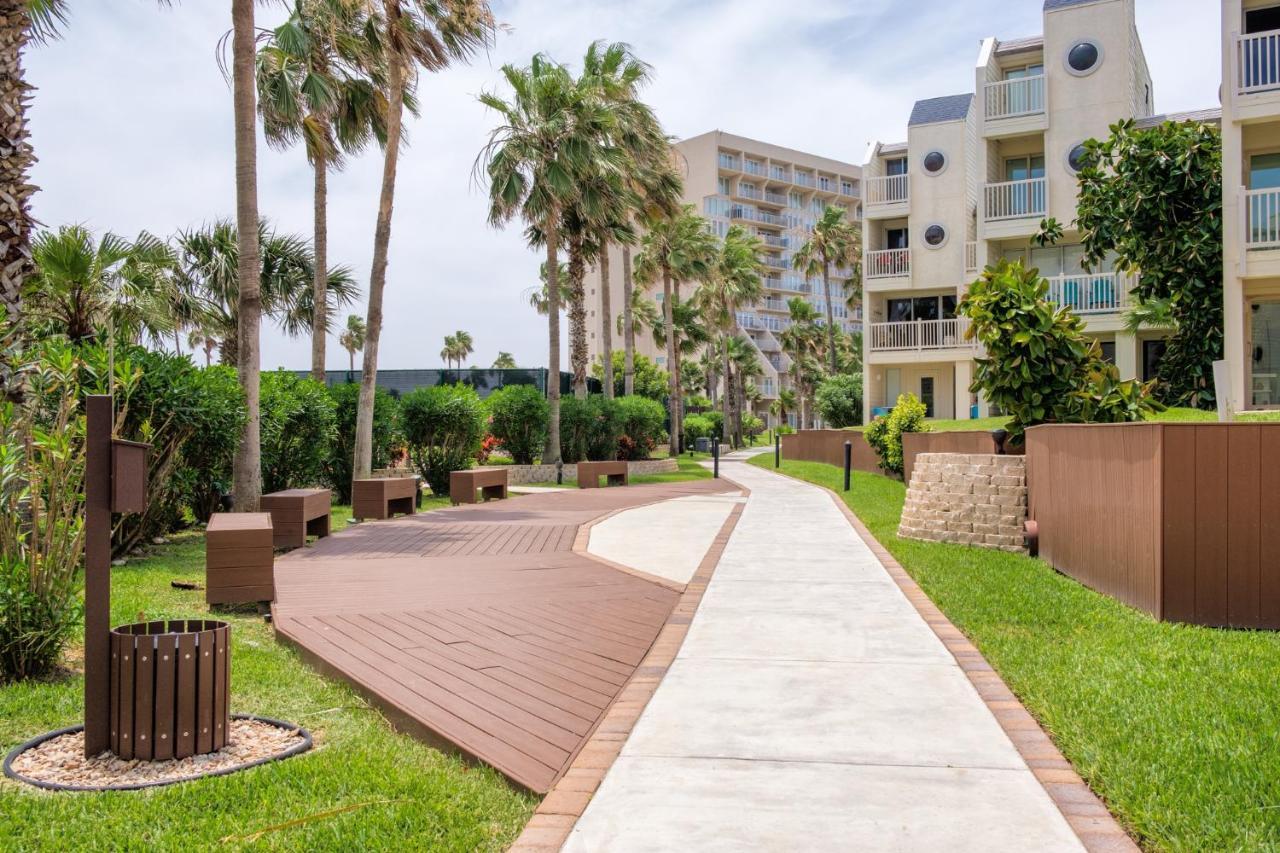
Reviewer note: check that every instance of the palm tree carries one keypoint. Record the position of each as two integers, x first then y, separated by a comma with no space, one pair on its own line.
834,242
537,296
464,345
746,369
736,283
200,338
316,83
83,286
208,261
450,351
415,35
504,361
675,250
800,341
784,404
529,160
352,339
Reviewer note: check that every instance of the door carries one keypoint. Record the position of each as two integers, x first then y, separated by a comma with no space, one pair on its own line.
1259,61
1021,99
1264,208
926,395
1152,352
892,386
1264,354
1025,199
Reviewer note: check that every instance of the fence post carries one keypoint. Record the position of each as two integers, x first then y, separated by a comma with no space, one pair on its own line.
848,462
715,457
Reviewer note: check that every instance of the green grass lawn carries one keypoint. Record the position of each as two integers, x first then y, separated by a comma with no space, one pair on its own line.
397,793
1174,726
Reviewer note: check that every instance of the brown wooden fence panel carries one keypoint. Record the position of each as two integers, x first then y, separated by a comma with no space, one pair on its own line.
1243,500
1269,538
1178,526
965,441
827,445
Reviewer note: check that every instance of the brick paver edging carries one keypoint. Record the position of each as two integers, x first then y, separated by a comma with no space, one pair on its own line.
1088,817
560,809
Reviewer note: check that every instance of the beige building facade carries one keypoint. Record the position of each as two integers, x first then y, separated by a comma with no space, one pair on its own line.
776,193
972,183
1251,201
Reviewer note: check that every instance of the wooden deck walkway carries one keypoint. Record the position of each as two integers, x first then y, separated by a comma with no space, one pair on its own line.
480,627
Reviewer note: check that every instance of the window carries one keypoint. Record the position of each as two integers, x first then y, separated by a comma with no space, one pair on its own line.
1034,70
896,238
1264,171
935,236
895,166
1024,168
1152,353
1108,351
1262,20
935,162
846,188
1075,157
921,308
722,186
1084,57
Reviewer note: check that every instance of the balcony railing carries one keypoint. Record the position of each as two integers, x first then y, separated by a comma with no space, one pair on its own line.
728,161
775,198
889,189
775,262
747,191
756,321
1262,215
1016,199
778,173
971,257
826,185
753,167
849,190
888,263
1018,97
774,240
803,179
1258,62
1091,293
919,335
738,211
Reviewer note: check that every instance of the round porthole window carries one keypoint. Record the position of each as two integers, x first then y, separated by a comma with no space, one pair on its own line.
1084,57
935,236
935,162
1075,157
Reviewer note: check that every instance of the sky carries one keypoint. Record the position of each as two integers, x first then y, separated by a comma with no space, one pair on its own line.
132,125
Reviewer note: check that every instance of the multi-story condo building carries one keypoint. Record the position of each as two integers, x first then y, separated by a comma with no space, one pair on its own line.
1251,201
972,183
777,194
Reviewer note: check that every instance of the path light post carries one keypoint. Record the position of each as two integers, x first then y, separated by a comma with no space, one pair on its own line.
715,456
777,450
848,462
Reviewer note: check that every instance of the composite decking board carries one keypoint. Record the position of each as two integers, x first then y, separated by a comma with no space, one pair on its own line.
479,624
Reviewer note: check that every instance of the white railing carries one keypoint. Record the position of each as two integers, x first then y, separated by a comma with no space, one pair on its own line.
919,335
888,263
1016,199
747,191
728,161
775,198
1258,62
753,167
1262,219
1091,293
888,189
971,256
775,262
803,179
778,173
1021,96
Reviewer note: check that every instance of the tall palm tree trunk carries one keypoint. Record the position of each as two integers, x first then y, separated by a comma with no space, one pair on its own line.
628,327
675,371
606,322
578,316
247,464
673,401
362,464
727,397
551,454
831,316
320,284
738,438
15,166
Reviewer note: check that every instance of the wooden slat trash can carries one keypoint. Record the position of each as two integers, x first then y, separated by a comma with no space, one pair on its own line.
383,497
297,514
239,558
170,687
492,483
589,474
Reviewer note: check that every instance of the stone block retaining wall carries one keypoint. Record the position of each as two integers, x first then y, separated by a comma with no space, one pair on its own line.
969,499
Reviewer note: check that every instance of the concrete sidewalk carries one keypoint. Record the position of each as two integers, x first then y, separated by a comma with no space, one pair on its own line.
812,708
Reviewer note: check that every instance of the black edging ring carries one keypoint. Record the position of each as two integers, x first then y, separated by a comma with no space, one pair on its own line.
54,786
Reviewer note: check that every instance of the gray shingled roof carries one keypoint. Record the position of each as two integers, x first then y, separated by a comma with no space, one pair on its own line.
1212,116
1006,47
893,148
934,110
1050,5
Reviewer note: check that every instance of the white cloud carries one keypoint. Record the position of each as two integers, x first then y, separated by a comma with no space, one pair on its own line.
132,124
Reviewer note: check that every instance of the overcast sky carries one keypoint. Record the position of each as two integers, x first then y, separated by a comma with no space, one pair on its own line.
132,125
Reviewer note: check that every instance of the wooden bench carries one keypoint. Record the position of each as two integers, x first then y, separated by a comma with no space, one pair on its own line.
297,514
384,497
239,558
492,483
589,474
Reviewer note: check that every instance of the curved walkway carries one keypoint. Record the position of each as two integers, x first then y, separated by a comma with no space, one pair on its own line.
811,707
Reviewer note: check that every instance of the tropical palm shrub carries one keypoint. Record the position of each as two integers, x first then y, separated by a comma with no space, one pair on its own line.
443,428
299,424
518,419
589,428
839,400
641,422
386,436
885,433
752,427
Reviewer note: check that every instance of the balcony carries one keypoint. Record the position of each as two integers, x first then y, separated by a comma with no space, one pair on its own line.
775,198
1091,293
1023,96
804,179
1257,62
774,304
915,335
747,191
1015,199
728,161
775,262
755,321
888,263
1262,219
780,173
738,211
753,167
774,240
889,189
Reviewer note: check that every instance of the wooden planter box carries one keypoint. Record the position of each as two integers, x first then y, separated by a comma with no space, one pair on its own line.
1177,519
169,689
239,559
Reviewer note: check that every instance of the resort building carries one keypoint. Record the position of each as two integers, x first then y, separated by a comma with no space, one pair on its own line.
972,183
776,193
1251,201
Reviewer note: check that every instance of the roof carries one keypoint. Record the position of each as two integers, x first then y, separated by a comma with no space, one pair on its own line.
1211,116
947,108
1019,45
894,148
1050,5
